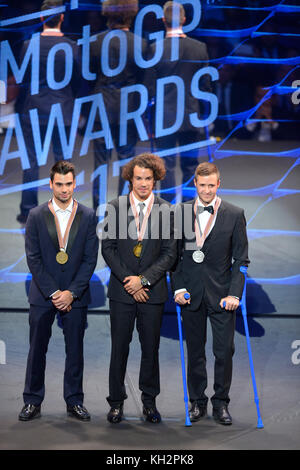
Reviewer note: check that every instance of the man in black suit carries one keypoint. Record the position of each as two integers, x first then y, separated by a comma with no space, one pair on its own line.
110,82
61,247
192,56
139,247
43,101
214,234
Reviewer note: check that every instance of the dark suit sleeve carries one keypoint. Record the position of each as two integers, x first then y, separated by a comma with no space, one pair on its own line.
89,259
163,264
45,282
177,281
111,256
166,260
239,255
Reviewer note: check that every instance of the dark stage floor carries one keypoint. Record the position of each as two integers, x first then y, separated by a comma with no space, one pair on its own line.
278,382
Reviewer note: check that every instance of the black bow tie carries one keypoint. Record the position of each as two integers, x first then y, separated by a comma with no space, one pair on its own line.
209,209
205,208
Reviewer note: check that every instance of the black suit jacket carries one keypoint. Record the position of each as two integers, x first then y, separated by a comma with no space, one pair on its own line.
110,86
158,254
41,246
46,97
192,56
225,250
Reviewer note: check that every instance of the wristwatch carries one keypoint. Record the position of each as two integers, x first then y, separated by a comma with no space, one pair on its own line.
144,281
73,295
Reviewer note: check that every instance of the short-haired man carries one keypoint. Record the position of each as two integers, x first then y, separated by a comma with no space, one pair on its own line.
192,57
51,38
214,236
137,288
120,15
61,247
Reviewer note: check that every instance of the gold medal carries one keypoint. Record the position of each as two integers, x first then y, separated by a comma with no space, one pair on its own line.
62,257
137,249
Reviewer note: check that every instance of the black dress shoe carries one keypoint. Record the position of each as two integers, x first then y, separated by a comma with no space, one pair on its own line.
29,412
79,412
152,414
222,415
115,414
197,411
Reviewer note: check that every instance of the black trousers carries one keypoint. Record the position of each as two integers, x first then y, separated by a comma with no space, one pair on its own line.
73,325
148,322
195,327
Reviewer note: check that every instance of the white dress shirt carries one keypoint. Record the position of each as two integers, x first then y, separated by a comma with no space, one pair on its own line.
205,215
202,220
63,216
137,202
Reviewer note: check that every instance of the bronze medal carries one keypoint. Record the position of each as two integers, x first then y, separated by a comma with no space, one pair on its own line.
62,257
137,250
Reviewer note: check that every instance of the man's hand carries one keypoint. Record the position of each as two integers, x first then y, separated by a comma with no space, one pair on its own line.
179,299
62,300
231,303
141,295
132,284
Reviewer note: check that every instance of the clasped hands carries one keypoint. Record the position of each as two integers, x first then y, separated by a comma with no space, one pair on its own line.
62,300
132,285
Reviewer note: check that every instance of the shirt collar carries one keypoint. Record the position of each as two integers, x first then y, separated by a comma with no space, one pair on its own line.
57,208
137,201
212,203
175,32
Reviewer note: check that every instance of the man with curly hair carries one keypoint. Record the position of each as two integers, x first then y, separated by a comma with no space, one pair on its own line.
137,288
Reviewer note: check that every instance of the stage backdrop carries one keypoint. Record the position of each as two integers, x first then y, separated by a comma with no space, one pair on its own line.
101,94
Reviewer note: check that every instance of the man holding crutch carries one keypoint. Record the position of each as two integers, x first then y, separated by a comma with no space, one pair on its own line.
212,249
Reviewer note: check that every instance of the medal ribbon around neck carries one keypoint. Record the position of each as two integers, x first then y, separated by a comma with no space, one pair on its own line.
200,239
141,230
62,241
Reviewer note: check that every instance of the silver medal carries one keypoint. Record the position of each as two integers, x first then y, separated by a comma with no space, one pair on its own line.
198,256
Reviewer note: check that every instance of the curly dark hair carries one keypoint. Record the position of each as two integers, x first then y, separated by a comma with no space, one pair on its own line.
145,160
119,13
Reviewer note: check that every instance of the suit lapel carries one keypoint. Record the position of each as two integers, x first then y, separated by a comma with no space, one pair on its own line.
192,204
217,226
130,221
51,227
50,224
74,229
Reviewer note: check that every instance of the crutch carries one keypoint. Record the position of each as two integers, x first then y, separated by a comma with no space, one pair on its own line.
185,394
260,425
